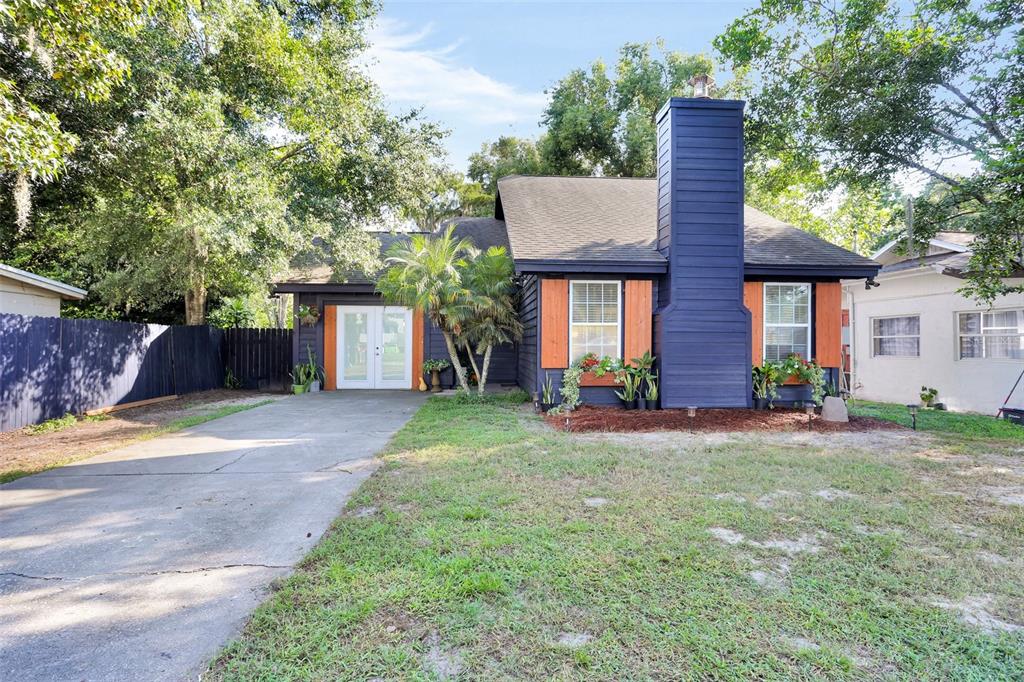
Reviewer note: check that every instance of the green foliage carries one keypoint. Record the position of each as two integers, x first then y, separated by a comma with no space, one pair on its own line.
51,425
232,313
807,371
305,373
231,382
630,387
547,394
507,156
436,364
245,136
859,94
59,49
468,294
766,380
928,395
651,383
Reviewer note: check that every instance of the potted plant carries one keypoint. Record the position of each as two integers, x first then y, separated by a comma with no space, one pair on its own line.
307,375
309,315
434,368
765,383
651,394
928,396
300,378
547,394
628,394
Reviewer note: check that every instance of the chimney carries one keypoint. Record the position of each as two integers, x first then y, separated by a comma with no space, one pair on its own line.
702,327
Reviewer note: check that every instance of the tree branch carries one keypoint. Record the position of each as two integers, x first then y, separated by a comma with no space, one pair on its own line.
985,119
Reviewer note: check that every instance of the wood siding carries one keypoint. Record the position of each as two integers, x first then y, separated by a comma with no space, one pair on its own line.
753,299
828,324
554,323
704,328
527,357
637,317
417,348
330,347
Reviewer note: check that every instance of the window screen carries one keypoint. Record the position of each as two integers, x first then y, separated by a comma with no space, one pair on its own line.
787,320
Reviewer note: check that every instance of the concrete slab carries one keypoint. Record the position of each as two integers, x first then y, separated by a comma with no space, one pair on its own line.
141,563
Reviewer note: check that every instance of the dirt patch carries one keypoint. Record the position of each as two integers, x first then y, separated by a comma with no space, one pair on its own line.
24,451
975,611
594,418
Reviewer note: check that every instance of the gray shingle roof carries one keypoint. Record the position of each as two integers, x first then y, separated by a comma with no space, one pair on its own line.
483,232
580,218
768,241
597,219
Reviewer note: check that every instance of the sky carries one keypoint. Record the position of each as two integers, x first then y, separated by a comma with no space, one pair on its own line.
480,69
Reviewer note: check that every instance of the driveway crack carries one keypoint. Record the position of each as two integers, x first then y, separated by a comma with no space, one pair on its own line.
181,571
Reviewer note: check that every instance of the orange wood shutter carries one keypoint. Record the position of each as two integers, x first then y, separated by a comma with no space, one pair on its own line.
330,347
637,318
417,348
554,323
828,324
753,298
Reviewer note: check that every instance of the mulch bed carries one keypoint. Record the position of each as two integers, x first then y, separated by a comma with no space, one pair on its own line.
594,418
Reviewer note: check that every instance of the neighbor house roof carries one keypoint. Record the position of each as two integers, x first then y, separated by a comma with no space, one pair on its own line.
65,291
600,221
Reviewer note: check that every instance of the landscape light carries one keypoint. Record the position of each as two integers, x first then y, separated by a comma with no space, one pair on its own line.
809,409
913,407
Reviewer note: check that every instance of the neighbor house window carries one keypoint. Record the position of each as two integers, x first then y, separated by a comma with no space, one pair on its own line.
594,319
787,320
995,334
896,336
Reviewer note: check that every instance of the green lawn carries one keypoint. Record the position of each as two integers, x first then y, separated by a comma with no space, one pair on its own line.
490,547
965,425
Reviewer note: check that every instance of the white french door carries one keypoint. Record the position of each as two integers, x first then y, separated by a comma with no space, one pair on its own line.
374,347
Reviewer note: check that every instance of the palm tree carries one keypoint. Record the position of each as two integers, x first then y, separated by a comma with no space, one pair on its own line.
427,273
492,317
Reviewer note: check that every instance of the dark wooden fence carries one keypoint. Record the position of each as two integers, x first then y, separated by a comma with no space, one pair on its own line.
52,366
259,358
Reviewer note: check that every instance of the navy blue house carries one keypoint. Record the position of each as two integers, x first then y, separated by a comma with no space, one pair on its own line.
676,265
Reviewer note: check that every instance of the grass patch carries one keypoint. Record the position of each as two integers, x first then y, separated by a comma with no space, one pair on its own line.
746,559
170,427
961,424
61,423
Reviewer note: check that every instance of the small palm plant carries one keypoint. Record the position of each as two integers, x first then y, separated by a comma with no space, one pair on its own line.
491,318
427,273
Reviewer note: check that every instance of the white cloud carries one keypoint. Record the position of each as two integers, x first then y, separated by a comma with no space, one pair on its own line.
411,73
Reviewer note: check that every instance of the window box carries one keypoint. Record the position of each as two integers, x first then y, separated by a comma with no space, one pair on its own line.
591,379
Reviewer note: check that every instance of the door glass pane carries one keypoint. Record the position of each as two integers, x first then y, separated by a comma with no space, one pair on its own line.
393,350
356,344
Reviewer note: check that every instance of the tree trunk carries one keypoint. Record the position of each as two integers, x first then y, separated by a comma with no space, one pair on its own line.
195,305
460,371
472,360
487,367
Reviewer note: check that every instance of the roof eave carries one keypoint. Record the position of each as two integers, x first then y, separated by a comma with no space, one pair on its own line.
66,291
322,287
796,270
618,266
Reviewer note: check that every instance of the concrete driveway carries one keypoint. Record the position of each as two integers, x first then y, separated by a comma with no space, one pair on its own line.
141,563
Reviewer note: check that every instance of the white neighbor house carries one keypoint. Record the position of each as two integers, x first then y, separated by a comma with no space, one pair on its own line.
24,293
914,330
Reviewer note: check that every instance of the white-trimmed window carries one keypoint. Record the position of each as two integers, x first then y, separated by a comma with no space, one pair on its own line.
594,318
896,336
995,334
787,320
